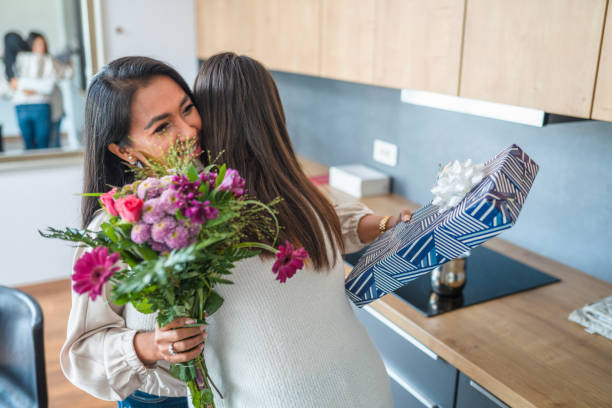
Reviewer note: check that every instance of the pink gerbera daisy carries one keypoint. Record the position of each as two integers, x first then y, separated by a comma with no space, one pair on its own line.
288,261
93,270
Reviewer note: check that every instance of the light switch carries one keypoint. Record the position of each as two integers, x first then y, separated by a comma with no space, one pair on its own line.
385,153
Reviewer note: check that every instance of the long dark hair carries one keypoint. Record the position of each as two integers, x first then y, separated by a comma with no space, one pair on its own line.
13,45
243,116
33,35
107,120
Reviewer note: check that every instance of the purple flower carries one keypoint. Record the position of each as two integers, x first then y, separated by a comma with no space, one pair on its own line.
141,232
152,211
92,270
233,182
149,188
288,261
162,228
209,177
169,200
178,238
192,229
182,184
198,212
200,379
159,247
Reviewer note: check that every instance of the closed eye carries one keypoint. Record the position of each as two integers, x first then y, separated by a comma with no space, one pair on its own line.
161,128
188,109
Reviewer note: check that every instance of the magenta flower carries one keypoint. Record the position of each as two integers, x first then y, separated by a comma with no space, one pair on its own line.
162,228
209,177
199,213
141,232
233,182
288,261
152,210
92,270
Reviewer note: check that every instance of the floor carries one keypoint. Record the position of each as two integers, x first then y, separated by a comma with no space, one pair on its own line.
54,298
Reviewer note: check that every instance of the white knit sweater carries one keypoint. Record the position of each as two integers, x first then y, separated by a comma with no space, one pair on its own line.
272,345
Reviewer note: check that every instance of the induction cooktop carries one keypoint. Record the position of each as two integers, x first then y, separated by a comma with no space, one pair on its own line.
490,275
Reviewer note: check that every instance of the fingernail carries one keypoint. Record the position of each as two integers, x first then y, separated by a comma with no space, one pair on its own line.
203,328
190,321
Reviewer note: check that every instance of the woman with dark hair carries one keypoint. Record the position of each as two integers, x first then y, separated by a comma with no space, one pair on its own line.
136,107
32,78
38,44
298,345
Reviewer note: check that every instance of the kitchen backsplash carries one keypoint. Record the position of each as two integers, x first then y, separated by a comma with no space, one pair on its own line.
568,215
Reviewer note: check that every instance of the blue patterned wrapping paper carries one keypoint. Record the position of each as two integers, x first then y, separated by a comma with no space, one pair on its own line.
430,239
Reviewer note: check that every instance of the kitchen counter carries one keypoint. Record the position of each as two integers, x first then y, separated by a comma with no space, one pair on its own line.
522,348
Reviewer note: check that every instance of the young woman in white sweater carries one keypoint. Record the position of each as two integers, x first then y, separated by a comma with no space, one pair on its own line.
293,345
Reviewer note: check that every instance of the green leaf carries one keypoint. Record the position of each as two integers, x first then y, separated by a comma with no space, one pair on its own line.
144,306
207,396
192,173
221,175
110,232
213,302
184,372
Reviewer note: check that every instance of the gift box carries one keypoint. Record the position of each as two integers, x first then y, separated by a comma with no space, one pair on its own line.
432,238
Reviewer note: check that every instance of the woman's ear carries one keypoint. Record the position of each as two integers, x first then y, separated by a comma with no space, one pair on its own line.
122,153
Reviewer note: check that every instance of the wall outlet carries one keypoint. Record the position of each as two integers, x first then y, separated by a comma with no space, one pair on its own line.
385,153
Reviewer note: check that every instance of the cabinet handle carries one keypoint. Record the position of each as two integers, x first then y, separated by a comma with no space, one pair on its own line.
487,394
402,333
410,389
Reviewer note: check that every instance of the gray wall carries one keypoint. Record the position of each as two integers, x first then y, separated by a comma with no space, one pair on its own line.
568,214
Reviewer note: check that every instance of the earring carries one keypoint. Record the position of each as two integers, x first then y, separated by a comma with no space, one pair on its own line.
131,159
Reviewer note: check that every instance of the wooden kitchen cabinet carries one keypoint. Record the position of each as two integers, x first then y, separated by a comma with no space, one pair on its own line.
282,34
418,44
539,54
347,39
225,25
602,103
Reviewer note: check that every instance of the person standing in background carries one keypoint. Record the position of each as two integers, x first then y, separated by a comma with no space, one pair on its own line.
38,45
32,77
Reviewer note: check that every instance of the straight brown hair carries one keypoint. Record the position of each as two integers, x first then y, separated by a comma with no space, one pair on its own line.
242,116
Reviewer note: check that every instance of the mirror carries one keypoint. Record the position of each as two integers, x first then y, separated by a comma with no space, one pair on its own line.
41,111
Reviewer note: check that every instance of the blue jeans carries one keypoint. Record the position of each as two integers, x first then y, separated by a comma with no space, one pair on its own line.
55,135
141,399
35,124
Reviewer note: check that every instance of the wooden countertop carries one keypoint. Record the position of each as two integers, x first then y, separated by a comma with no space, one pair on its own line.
521,347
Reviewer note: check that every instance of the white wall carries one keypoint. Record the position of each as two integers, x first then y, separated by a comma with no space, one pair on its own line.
154,28
33,197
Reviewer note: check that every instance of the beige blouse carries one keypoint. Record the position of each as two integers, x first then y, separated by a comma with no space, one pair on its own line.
273,345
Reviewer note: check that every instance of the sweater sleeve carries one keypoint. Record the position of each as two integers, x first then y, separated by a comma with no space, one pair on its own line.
98,355
350,214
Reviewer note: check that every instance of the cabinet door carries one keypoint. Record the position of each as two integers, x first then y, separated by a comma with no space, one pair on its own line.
418,44
287,35
225,25
282,34
347,40
473,395
602,104
539,54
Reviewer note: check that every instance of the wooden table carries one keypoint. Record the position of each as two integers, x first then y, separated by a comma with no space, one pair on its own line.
521,347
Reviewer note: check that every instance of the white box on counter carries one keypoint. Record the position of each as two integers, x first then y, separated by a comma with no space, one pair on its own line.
359,180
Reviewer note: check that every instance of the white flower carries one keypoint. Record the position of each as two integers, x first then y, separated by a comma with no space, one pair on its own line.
454,182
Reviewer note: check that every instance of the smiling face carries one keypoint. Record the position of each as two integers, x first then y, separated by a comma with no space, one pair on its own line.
160,113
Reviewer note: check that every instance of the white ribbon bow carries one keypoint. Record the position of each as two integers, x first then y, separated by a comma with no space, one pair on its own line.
454,182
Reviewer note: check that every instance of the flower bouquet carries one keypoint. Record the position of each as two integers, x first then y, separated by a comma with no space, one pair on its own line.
178,235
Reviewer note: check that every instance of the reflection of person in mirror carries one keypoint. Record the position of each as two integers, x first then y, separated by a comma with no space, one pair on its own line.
33,75
38,45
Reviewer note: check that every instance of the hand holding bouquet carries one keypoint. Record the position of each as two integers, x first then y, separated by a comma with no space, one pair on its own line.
178,236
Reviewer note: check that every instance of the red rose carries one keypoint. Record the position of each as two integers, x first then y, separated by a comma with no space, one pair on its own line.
109,202
129,208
